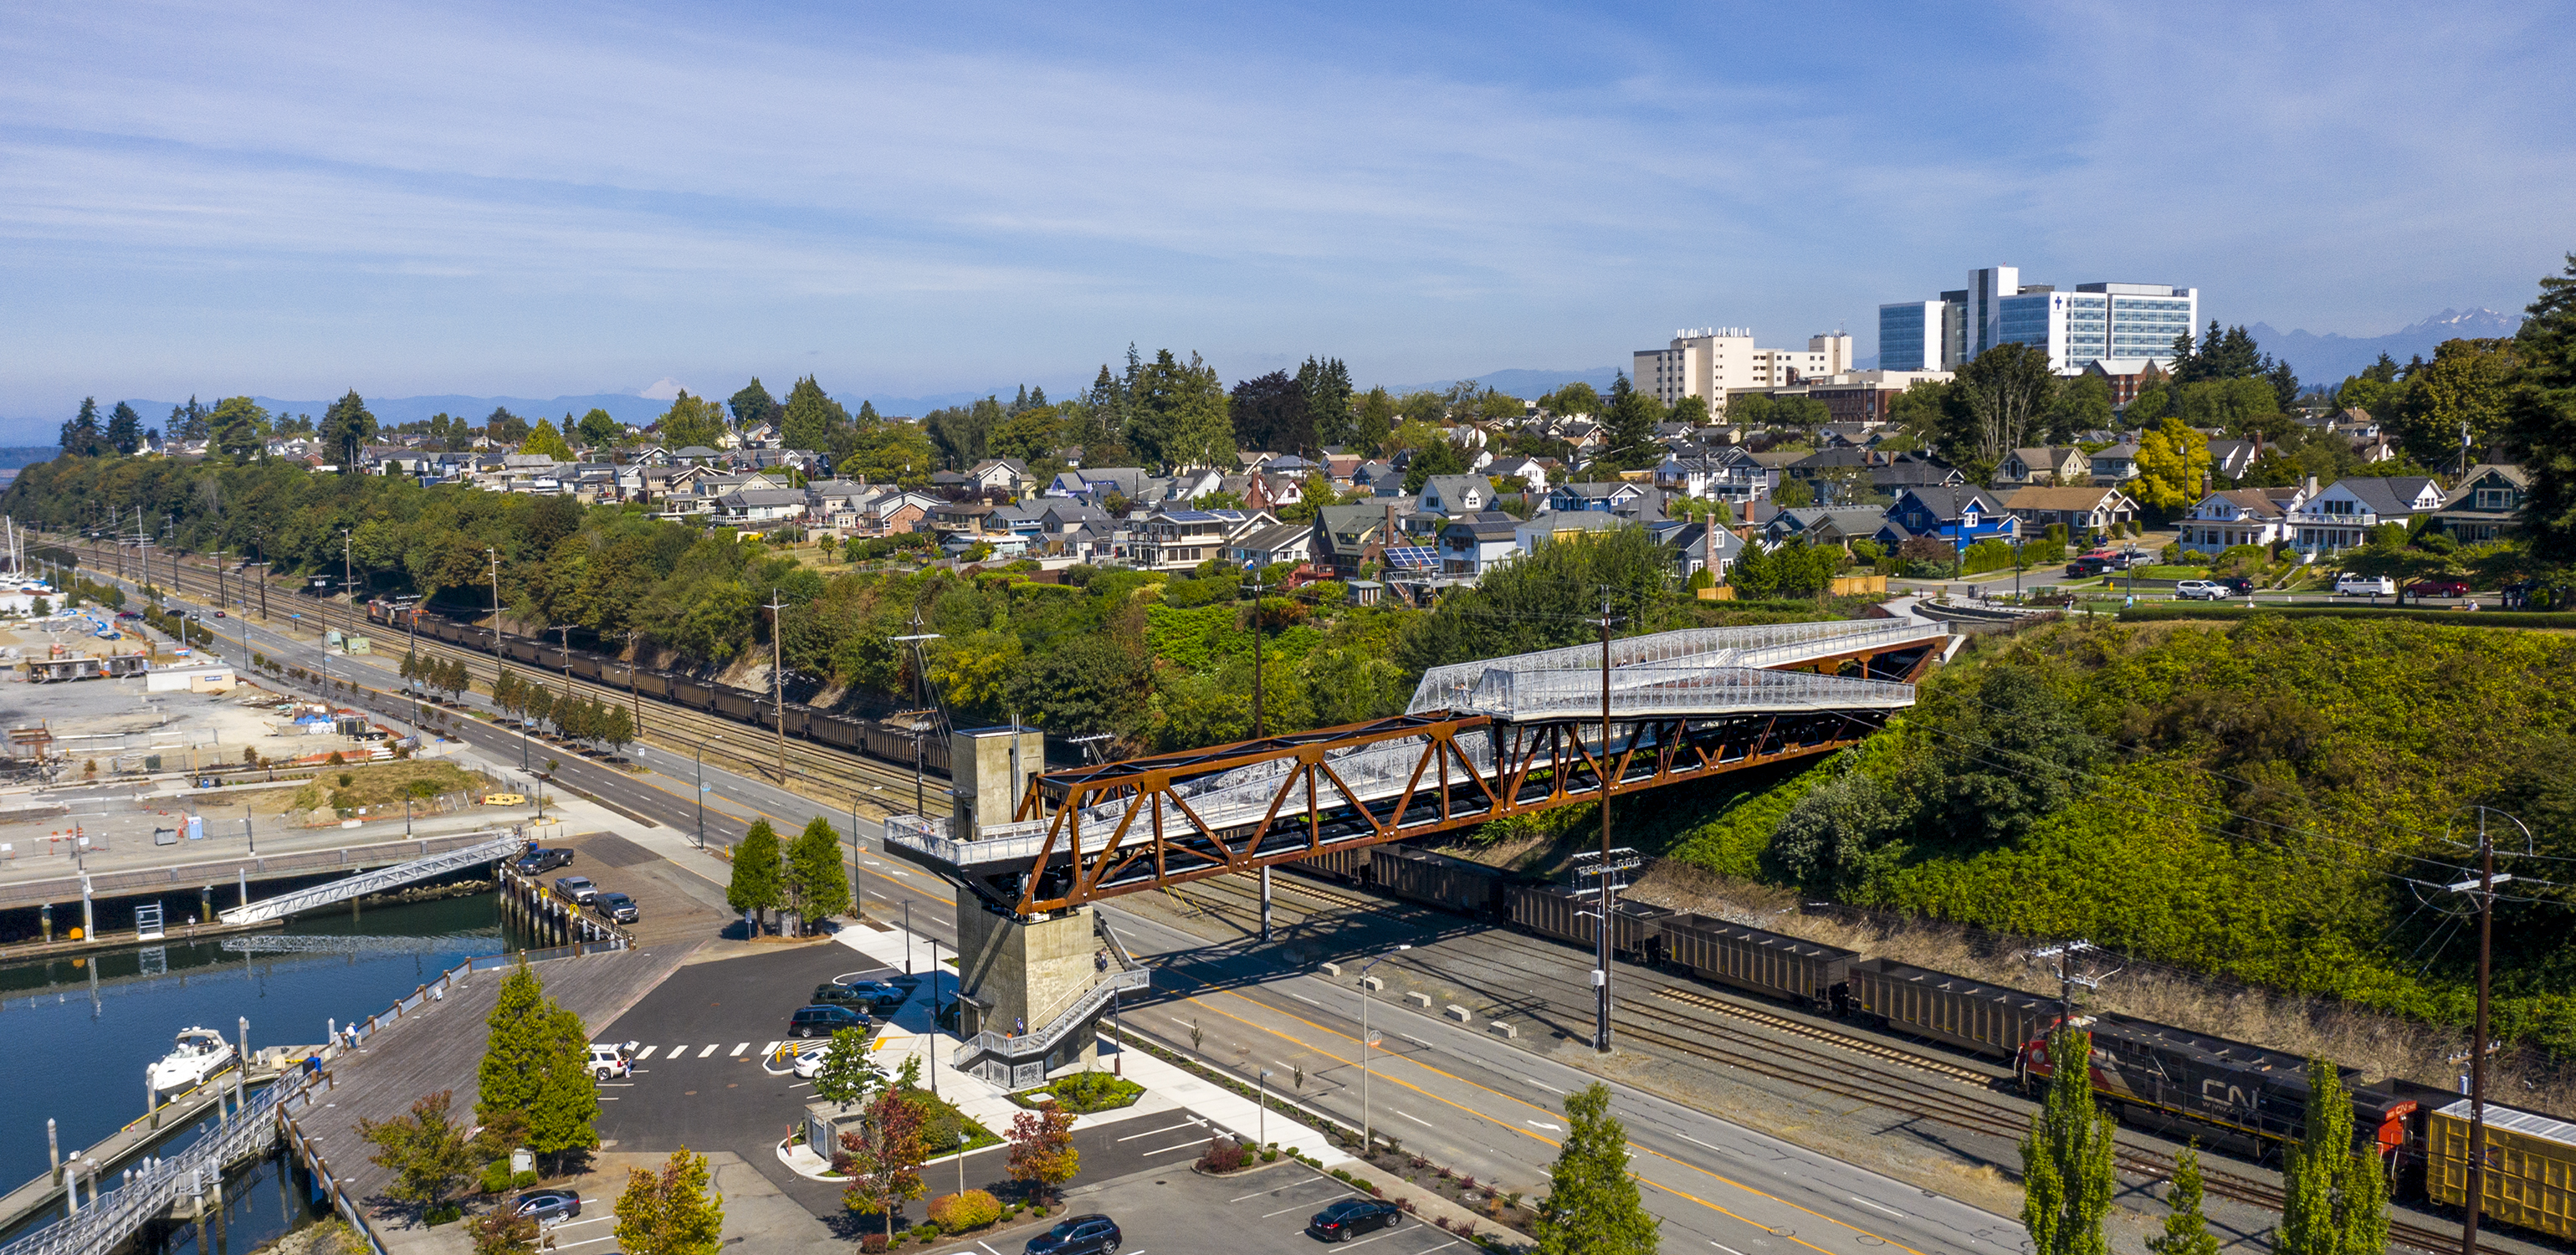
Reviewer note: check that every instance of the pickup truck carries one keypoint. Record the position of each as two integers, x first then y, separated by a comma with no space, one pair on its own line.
536,861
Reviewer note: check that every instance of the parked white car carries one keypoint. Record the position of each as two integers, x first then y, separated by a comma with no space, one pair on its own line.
609,1060
2199,590
2350,585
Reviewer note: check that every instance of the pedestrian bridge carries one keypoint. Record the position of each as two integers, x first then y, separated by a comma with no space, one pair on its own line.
1480,741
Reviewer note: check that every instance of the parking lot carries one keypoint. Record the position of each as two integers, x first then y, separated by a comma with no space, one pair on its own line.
676,904
1173,1210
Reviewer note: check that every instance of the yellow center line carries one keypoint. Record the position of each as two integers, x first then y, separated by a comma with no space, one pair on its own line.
1718,1176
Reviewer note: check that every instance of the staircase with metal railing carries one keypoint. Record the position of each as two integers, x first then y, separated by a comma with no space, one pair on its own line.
1019,1060
149,1192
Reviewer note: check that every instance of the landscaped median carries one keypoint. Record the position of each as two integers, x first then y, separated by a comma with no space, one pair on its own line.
2449,617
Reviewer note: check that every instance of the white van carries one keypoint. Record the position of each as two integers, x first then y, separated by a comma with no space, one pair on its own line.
2351,585
608,1060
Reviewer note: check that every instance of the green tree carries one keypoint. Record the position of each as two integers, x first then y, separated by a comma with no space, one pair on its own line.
1577,398
2542,412
346,429
1375,419
691,421
239,427
1628,428
2186,1229
818,882
1690,410
848,1075
671,1212
2334,1200
2173,468
1592,1206
599,429
503,428
752,405
2067,1161
427,1150
545,439
1326,384
758,884
1439,457
617,729
2460,394
2007,389
1090,683
811,418
1180,415
2083,404
536,1063
124,429
2008,755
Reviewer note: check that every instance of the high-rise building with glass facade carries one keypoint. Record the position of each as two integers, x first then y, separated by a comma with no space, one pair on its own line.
2090,322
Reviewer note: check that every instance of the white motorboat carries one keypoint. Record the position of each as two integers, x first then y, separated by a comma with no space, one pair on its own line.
199,1053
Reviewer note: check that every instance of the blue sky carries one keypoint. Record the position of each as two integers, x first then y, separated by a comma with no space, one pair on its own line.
533,200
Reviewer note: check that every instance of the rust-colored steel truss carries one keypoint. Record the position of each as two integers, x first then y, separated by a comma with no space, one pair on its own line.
1127,827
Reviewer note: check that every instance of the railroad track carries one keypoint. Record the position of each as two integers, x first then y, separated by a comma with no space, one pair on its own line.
1873,1078
678,728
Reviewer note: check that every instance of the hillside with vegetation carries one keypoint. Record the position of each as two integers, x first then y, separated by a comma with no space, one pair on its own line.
2276,801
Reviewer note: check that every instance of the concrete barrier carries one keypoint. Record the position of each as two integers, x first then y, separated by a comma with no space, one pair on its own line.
1459,1014
1421,1000
1373,984
1329,969
1503,1029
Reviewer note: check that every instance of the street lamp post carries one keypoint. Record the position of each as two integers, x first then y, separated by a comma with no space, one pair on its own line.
702,791
1366,1143
1261,1110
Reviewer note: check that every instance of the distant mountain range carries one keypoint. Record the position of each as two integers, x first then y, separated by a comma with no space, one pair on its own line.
2330,358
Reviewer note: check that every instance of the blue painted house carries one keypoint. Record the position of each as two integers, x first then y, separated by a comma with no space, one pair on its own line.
1959,514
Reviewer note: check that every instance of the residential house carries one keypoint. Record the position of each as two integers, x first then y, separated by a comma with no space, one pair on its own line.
1380,478
2044,465
2340,516
1448,495
761,507
1729,473
1825,525
2487,504
1692,545
895,511
1348,537
1959,516
2230,459
1472,544
2081,511
2115,465
1913,471
1518,474
1558,524
697,454
1604,498
1177,540
1278,542
1009,475
2236,516
971,519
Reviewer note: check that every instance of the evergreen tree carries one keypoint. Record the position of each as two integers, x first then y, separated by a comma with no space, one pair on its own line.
752,405
2541,411
1628,428
599,429
1326,384
81,437
2066,1161
756,884
812,418
671,1212
124,428
2334,1200
818,883
1592,1206
536,1066
346,428
2186,1229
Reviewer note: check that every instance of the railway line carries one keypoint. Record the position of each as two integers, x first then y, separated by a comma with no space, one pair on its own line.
813,770
1692,1023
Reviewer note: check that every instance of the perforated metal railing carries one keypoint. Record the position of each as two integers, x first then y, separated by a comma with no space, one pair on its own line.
1687,688
1762,645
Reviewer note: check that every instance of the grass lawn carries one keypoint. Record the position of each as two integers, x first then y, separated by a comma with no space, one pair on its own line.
2162,572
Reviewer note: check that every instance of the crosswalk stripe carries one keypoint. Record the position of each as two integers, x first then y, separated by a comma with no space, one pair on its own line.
741,1048
770,1048
645,1053
676,1052
708,1051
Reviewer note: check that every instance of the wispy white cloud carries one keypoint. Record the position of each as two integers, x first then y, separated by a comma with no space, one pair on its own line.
506,199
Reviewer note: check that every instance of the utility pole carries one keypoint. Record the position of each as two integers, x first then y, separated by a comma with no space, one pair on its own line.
778,674
632,699
345,579
2068,977
1601,944
919,796
2484,887
1260,726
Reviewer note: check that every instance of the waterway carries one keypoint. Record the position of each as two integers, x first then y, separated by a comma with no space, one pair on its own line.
83,1029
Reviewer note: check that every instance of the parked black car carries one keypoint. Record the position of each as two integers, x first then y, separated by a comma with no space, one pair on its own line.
536,862
875,995
826,1020
619,908
1351,1217
550,1206
1077,1235
2236,585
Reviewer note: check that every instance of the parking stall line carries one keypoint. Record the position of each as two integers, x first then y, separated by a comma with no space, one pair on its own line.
1169,1149
1165,1129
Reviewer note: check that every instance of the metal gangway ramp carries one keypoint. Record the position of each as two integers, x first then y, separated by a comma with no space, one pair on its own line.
500,846
1482,741
151,1191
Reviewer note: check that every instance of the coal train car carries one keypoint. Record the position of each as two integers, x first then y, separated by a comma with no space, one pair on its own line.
694,694
1450,883
1346,864
1988,1019
838,731
2530,1173
1758,961
1637,928
734,703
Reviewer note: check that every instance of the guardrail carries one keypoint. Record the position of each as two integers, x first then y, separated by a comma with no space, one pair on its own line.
1018,1046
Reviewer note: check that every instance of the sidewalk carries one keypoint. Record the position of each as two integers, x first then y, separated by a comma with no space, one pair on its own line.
1167,1088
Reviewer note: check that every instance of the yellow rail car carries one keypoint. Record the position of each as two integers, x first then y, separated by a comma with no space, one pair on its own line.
2530,1179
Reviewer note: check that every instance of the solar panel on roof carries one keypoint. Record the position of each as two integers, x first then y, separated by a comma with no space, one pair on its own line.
1412,556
